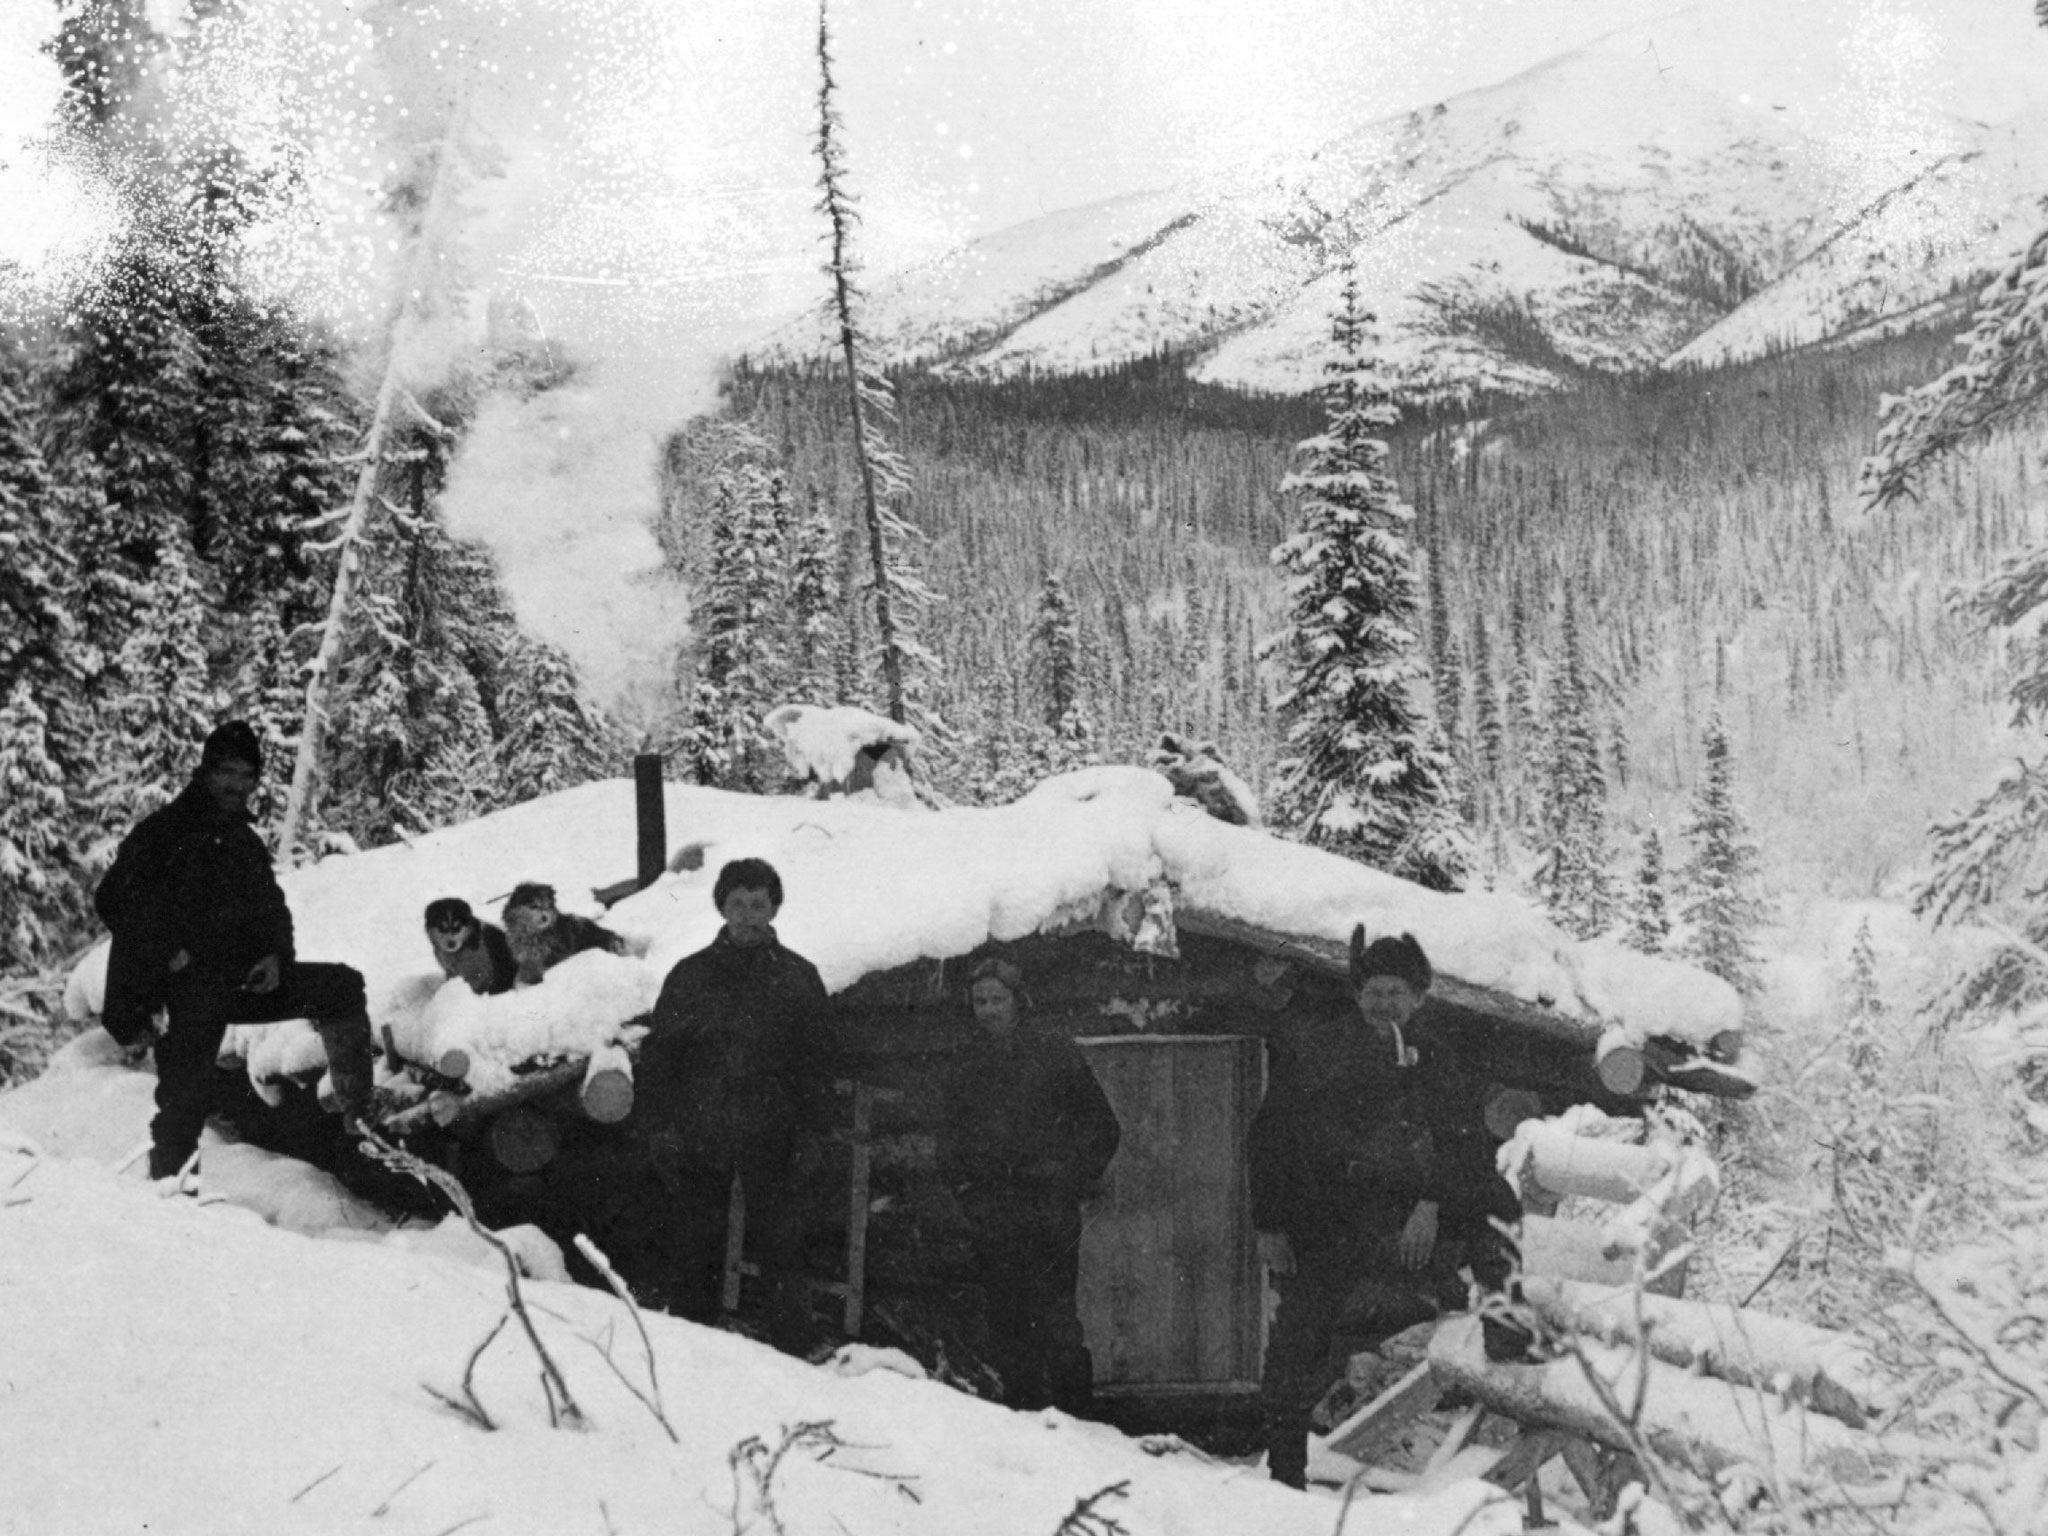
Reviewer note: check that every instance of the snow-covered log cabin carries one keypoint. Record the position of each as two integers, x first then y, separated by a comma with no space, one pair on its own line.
1176,945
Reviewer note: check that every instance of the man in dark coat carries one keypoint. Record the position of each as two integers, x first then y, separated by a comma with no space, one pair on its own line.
1373,1184
739,1057
201,930
1026,1133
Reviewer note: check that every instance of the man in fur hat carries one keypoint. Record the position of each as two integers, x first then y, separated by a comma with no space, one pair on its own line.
1372,1183
201,931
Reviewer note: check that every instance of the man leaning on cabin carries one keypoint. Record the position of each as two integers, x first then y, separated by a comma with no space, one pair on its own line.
201,931
738,1059
1026,1134
1372,1184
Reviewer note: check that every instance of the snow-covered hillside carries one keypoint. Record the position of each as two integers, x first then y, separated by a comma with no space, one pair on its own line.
186,1369
1606,210
1924,244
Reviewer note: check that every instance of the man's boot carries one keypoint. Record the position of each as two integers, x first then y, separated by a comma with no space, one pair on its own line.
1287,1448
350,1057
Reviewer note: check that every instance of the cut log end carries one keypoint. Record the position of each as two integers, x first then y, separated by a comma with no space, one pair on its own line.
454,1064
523,1140
607,1094
1618,1059
608,1097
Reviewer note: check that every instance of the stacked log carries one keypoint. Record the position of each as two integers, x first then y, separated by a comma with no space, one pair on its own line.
1704,1424
1831,1373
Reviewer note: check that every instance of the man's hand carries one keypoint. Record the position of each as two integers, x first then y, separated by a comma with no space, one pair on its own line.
262,975
1276,1252
1418,1237
179,961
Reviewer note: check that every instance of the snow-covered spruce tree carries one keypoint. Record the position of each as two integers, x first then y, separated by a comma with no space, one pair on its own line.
1571,819
741,669
1988,861
1367,773
285,474
814,599
1056,655
896,592
1649,923
121,430
37,569
1489,731
165,703
554,737
1723,905
35,856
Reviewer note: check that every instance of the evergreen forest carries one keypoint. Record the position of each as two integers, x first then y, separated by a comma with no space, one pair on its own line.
1605,575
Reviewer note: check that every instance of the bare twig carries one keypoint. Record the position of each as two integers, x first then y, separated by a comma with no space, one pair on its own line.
651,1398
753,1462
1771,1274
314,1484
460,1524
1086,1517
1985,1349
385,1507
562,1408
472,1407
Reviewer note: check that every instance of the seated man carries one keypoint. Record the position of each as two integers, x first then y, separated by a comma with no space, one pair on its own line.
201,929
1372,1182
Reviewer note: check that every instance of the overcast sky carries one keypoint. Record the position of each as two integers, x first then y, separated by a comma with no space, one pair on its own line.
663,143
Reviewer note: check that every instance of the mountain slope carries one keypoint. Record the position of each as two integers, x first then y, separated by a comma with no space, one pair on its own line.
1604,211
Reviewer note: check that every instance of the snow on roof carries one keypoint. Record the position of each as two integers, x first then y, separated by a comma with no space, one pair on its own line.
869,888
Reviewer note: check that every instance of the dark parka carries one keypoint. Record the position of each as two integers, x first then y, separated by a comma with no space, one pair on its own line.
1023,1113
188,877
740,1054
1346,1143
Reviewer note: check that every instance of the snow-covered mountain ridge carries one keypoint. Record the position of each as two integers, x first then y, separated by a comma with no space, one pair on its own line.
1604,211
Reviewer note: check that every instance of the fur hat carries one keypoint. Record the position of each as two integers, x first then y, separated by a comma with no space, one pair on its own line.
232,741
1401,957
995,968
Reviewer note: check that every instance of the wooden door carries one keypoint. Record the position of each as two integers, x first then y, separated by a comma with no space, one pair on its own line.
1169,1294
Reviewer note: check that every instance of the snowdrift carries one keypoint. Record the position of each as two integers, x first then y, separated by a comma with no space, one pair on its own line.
186,1369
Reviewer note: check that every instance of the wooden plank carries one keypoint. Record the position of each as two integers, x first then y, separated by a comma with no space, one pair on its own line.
1373,1428
1168,1293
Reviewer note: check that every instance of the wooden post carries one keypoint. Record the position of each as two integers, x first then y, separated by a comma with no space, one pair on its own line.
857,1207
735,1246
650,816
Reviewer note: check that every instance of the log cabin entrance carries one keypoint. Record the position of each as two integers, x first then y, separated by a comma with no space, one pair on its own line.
1171,1297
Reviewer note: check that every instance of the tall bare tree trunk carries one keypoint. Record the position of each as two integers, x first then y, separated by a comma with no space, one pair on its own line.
837,207
348,565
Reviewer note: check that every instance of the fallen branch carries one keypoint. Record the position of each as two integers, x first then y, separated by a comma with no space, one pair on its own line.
651,1398
562,1406
1086,1517
753,1459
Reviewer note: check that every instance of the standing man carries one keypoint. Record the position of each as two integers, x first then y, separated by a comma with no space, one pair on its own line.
1372,1183
739,1057
1026,1135
201,930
